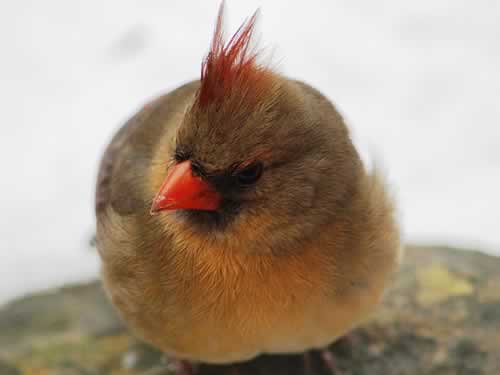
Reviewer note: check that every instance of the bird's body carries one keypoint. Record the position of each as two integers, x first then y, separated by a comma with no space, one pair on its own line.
285,264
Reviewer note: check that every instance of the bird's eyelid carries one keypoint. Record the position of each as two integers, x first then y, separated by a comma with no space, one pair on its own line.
258,157
241,166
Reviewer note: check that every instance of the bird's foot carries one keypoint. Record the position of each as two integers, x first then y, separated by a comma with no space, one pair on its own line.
320,362
329,362
180,367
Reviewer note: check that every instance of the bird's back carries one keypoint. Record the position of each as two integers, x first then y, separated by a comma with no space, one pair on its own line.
130,152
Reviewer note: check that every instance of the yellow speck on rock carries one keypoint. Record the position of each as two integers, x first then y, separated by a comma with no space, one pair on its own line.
436,284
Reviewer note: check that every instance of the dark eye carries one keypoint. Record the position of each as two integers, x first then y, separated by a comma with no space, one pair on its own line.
181,154
250,174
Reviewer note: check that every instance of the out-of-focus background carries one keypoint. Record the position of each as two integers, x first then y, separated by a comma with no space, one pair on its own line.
418,82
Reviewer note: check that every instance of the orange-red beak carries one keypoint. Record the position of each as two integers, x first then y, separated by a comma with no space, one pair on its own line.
182,190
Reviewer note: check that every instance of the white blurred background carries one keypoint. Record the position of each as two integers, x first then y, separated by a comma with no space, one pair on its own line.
418,81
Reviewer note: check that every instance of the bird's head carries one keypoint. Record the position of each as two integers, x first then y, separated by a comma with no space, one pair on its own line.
258,157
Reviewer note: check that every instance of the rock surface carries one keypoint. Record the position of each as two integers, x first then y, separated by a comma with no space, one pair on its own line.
442,316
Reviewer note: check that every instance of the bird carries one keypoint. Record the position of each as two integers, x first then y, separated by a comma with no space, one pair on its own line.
235,216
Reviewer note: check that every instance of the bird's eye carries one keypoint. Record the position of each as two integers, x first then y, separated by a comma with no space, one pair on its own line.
181,154
250,175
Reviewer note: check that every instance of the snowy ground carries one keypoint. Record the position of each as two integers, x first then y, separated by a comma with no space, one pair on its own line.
419,82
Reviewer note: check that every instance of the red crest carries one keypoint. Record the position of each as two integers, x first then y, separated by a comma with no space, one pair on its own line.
231,66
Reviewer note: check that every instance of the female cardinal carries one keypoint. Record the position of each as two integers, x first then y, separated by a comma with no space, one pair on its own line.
235,216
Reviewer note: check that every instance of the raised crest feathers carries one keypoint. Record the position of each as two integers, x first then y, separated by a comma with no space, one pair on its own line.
231,66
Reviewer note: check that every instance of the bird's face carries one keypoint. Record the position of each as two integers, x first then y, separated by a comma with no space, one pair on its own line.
264,168
258,159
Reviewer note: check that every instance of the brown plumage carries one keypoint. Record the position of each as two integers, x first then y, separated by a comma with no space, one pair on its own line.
279,241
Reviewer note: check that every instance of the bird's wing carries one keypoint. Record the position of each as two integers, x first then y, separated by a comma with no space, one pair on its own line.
125,163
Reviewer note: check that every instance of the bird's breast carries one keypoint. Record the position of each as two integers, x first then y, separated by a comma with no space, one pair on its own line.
224,307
